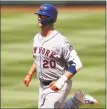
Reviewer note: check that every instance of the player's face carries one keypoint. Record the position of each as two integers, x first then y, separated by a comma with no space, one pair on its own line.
41,17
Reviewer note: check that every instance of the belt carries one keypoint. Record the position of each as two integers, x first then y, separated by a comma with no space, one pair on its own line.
46,83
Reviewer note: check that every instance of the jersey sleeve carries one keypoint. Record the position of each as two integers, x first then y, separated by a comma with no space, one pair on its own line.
66,50
34,45
35,40
70,55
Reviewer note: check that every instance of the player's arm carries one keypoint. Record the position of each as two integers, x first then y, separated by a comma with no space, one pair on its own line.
75,66
28,77
71,57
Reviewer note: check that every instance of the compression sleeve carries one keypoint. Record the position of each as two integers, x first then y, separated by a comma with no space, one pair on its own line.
72,58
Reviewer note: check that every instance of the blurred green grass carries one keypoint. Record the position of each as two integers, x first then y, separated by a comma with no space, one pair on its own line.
86,32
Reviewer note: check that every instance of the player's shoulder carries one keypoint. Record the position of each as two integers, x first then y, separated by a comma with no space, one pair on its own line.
62,38
36,36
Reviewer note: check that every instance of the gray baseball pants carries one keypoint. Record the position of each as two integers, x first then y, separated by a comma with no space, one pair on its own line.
50,99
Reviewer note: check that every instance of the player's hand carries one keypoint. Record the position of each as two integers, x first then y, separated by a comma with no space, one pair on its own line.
27,80
53,87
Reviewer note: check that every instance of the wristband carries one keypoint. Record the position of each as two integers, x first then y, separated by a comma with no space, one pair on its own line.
60,82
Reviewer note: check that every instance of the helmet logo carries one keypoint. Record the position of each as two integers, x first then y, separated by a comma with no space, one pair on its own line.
42,7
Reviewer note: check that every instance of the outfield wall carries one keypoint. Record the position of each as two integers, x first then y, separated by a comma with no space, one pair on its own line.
73,3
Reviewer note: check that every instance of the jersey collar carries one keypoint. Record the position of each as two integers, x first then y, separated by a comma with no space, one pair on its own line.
45,39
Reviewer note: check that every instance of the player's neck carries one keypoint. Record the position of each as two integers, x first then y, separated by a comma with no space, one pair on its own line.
46,31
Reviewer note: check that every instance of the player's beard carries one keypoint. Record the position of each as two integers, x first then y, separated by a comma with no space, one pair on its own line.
40,24
43,26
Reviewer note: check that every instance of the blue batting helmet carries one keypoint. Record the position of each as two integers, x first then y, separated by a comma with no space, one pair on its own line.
50,11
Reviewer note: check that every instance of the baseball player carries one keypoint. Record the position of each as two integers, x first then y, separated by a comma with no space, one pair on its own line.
56,62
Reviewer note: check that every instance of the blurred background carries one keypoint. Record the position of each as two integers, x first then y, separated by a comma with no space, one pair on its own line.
82,22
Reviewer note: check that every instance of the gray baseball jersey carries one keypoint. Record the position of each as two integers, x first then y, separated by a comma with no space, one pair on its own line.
51,55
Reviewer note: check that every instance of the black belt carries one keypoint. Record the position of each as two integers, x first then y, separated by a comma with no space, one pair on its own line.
46,82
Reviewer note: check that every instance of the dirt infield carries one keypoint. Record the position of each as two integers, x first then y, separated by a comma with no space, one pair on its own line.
61,8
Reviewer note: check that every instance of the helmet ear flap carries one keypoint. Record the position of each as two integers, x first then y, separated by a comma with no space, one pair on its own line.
51,21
